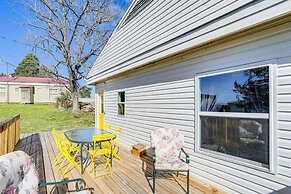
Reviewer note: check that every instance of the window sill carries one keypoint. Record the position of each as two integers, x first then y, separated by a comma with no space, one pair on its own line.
204,153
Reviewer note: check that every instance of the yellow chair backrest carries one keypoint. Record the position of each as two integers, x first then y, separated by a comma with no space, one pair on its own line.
60,141
100,138
55,135
117,129
118,132
107,126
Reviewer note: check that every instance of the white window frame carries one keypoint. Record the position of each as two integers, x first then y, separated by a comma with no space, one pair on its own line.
272,168
3,91
121,103
53,95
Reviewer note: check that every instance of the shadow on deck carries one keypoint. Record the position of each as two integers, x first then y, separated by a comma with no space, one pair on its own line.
130,175
32,146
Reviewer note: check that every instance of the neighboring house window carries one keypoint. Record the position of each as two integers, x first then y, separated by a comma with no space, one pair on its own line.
53,93
121,103
234,114
2,91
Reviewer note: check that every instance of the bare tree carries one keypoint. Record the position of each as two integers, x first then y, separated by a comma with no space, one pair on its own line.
71,32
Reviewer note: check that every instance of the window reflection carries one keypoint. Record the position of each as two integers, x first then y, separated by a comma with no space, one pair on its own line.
245,138
241,91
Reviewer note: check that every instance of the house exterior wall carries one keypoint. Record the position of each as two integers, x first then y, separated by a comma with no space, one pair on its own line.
41,92
163,95
167,27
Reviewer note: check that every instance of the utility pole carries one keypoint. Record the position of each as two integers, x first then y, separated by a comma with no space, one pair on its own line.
7,81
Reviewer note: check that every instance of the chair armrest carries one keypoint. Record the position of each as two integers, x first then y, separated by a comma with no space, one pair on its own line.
80,184
187,156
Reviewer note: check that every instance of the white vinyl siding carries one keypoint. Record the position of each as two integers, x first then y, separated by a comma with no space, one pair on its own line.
164,96
164,28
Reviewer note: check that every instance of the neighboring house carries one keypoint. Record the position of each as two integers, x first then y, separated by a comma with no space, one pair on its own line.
30,89
220,71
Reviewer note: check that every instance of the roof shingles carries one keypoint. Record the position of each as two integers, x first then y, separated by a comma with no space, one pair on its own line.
33,80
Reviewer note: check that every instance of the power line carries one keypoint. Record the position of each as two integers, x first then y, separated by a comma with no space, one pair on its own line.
8,63
16,41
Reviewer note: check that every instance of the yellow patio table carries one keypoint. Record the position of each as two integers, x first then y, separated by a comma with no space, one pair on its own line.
84,136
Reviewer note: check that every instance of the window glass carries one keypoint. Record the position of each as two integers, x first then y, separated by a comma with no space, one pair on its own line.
244,138
102,103
241,91
121,96
53,92
2,91
121,103
121,109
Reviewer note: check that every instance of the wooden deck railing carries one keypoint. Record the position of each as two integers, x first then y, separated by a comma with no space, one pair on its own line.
9,134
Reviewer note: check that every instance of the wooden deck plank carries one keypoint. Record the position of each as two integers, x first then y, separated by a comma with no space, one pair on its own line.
51,157
129,174
48,167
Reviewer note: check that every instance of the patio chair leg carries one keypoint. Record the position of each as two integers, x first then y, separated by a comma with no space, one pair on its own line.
63,174
61,165
56,160
116,156
188,177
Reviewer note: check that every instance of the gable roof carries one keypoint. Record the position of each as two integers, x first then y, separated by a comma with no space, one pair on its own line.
137,7
164,28
33,80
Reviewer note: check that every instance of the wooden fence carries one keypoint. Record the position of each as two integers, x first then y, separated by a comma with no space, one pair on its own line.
9,134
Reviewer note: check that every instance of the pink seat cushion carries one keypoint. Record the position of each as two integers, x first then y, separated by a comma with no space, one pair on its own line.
171,164
168,144
17,174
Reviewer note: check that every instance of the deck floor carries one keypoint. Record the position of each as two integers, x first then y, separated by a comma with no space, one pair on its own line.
130,175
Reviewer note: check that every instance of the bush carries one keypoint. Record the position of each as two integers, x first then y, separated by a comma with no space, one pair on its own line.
64,101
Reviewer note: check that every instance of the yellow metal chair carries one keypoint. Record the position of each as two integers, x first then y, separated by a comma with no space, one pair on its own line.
100,155
106,144
115,144
61,143
70,154
106,126
57,142
66,151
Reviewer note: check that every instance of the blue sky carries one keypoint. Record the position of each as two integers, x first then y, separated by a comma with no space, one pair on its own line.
11,29
12,32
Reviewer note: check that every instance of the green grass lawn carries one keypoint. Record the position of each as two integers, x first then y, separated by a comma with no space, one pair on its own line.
44,117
